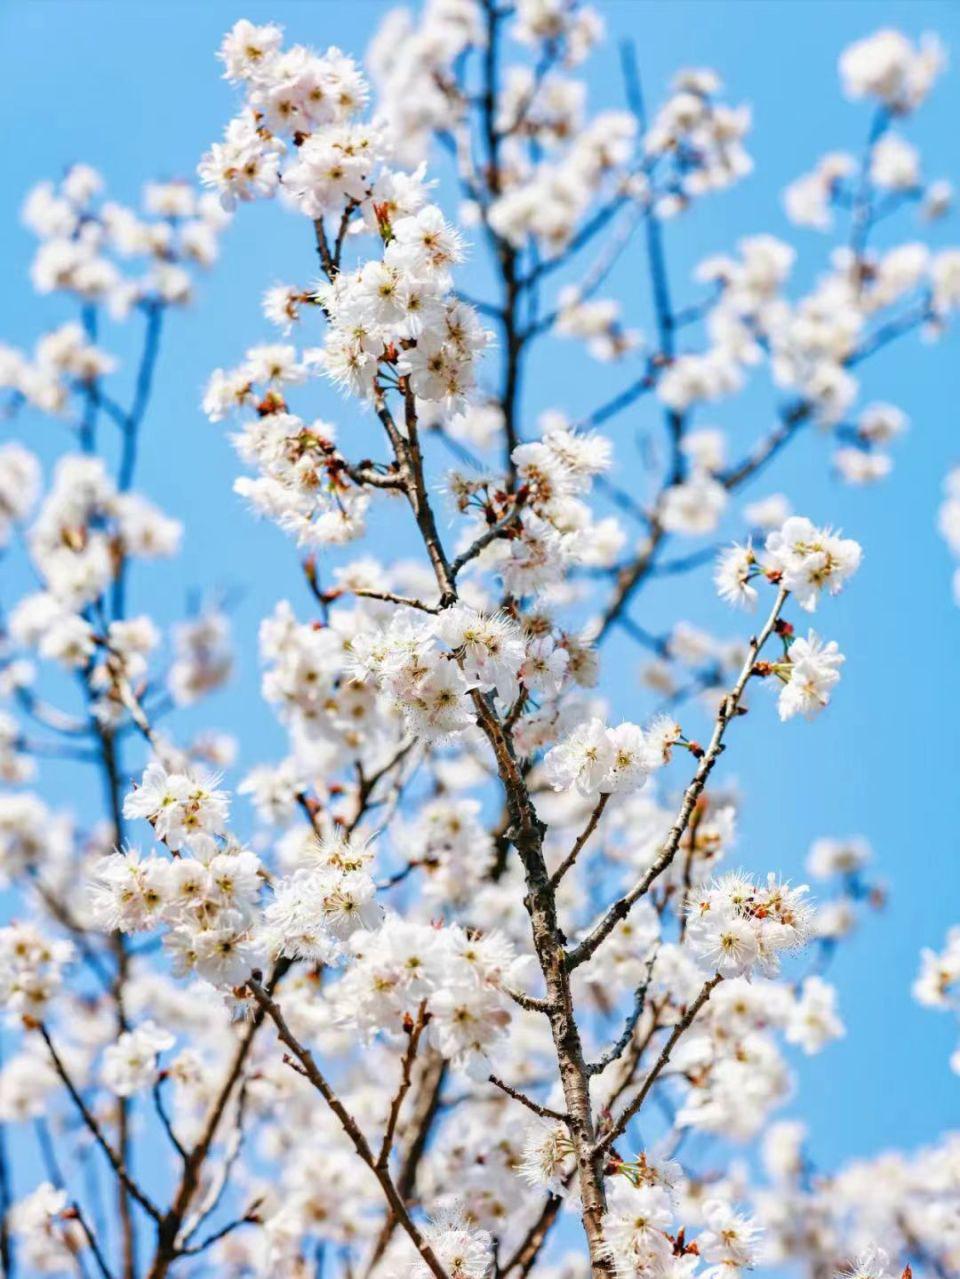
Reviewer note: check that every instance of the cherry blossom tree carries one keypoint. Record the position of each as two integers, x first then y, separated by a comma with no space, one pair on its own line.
446,989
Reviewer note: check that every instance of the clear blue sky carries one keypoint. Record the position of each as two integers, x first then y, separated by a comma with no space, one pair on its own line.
133,88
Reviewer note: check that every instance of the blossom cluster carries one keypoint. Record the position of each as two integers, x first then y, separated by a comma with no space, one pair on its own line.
736,925
610,761
806,561
399,313
457,978
290,92
79,231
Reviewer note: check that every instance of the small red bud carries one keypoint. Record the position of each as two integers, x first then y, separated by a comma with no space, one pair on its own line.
272,402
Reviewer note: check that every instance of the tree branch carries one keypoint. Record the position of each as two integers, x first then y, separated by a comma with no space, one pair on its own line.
728,710
620,1126
543,1111
116,1163
349,1126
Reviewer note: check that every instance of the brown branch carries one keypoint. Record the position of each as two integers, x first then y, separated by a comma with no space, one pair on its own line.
323,249
114,1159
387,597
218,1188
349,1125
250,1217
426,1107
526,1254
307,805
420,502
630,577
729,708
171,1223
76,1212
580,842
526,829
6,1199
527,836
362,476
543,1111
161,1110
531,1003
495,531
616,1050
414,1032
369,784
620,1126
632,1059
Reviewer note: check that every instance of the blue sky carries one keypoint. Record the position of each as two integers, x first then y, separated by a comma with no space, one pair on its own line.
133,89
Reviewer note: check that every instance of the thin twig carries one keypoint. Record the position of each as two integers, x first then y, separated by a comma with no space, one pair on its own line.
415,1031
502,526
249,1217
96,1131
581,841
387,597
729,708
349,1126
165,1119
616,1050
91,1239
543,1111
620,1126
